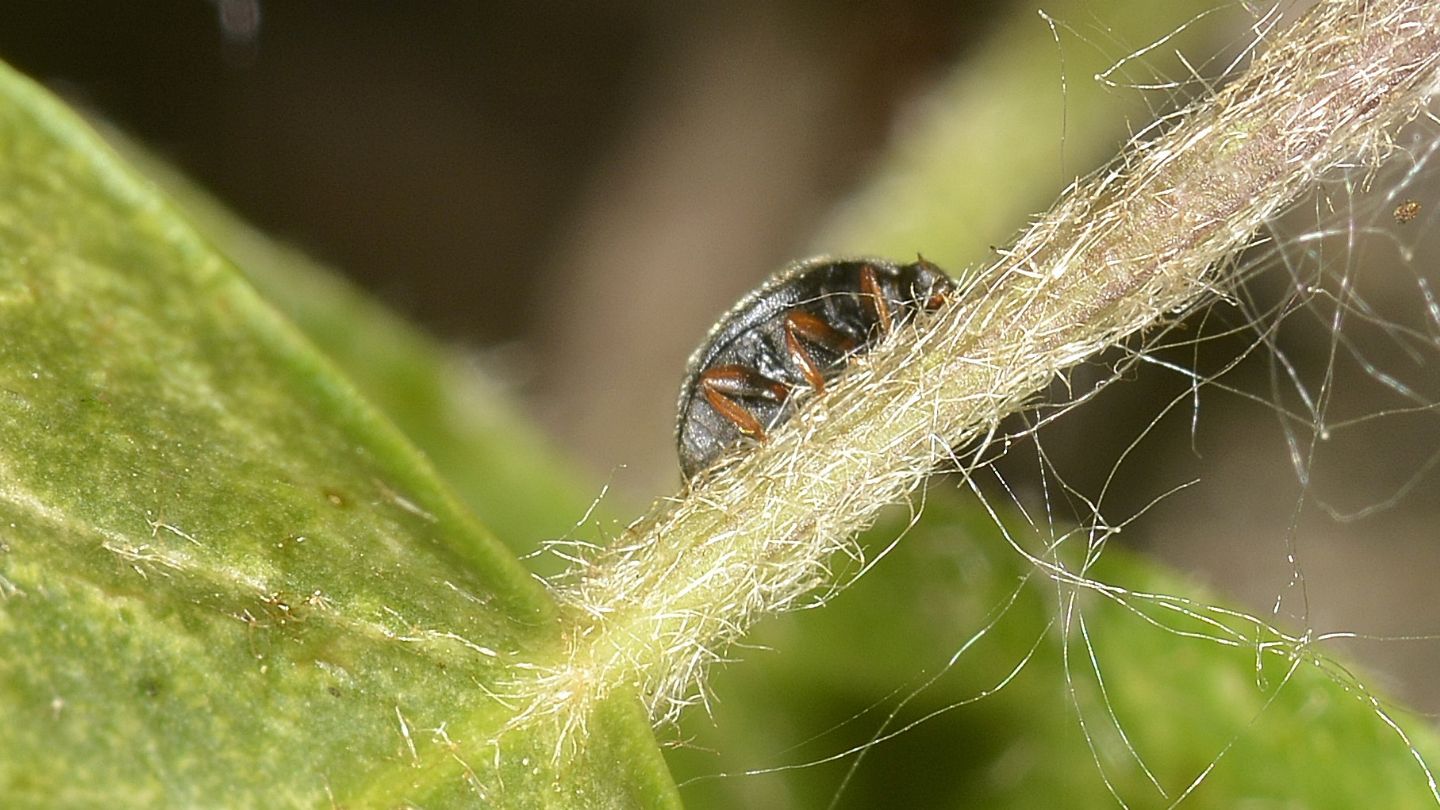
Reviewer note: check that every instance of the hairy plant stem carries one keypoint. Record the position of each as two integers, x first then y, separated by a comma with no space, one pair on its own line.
1124,250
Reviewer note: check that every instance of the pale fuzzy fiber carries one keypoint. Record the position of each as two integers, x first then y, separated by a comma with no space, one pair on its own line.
1130,248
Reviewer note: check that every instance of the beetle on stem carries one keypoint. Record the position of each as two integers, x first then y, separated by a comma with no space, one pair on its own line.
788,338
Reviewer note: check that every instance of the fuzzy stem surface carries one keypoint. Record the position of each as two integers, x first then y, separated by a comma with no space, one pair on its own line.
1128,248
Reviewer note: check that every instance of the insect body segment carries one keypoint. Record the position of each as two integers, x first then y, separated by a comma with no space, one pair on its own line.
788,339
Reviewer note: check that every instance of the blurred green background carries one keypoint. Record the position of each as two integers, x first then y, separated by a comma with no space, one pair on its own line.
573,191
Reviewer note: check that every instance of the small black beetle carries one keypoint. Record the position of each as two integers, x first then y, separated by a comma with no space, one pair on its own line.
794,333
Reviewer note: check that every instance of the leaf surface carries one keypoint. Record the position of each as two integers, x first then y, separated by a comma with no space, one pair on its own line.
227,579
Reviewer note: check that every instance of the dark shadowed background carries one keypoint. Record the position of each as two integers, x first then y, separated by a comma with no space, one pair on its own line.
526,178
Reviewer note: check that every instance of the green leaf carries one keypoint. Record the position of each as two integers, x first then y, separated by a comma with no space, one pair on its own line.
496,461
1000,725
226,579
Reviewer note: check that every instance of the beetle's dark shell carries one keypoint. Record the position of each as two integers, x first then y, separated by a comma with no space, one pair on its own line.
752,335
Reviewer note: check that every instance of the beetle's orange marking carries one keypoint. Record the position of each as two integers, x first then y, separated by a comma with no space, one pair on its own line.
743,381
723,385
870,289
814,329
802,358
800,324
